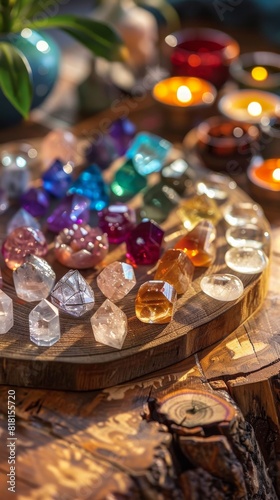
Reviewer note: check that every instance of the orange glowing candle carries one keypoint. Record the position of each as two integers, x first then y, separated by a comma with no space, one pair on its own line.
181,91
264,177
249,105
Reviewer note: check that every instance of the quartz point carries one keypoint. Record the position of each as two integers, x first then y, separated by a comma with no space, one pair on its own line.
122,131
248,235
20,219
57,179
81,246
158,201
73,209
34,279
175,268
109,325
44,324
35,201
246,260
59,144
197,208
116,280
102,152
225,287
91,185
127,182
243,213
21,242
15,175
178,175
72,294
148,152
155,302
198,244
144,243
6,313
117,220
4,201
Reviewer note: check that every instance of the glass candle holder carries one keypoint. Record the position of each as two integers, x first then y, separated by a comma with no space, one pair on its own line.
249,105
203,53
264,179
270,138
259,70
225,145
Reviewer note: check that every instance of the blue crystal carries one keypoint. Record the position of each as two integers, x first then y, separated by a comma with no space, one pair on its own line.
57,179
91,185
148,152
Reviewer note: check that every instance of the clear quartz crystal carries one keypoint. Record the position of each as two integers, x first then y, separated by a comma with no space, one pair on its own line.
109,325
116,280
34,279
72,294
6,313
216,186
243,213
248,235
246,260
22,218
44,324
225,287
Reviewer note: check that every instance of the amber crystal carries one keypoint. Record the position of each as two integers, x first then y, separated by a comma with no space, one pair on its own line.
198,244
197,208
176,268
155,302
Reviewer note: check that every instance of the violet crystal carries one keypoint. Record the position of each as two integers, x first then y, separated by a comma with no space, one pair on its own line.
122,132
102,151
73,209
35,201
57,179
117,221
144,243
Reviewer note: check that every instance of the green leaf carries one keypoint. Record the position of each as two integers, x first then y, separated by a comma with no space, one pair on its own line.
100,38
15,81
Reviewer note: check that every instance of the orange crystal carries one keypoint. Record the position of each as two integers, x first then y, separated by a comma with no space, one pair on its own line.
198,244
176,268
155,302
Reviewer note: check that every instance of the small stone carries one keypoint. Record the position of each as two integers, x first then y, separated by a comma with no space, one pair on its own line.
20,219
15,175
225,287
72,294
243,213
216,186
34,279
57,179
198,244
35,201
81,246
102,151
6,313
175,268
109,325
127,182
159,200
144,243
91,185
246,260
117,220
73,209
197,208
21,242
148,152
248,235
155,302
61,145
4,201
44,324
122,131
178,175
116,280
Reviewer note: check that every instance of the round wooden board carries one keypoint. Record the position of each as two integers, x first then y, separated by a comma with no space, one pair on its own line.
77,362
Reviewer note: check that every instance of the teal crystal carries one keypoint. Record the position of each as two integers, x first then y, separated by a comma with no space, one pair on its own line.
127,182
148,152
90,184
158,202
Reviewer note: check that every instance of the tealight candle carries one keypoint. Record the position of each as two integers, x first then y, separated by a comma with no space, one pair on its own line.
249,105
264,179
260,70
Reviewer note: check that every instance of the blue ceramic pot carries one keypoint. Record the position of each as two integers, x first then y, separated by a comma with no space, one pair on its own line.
43,55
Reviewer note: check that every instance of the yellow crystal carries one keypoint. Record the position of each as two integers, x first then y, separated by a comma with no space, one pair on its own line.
176,268
197,208
155,302
198,244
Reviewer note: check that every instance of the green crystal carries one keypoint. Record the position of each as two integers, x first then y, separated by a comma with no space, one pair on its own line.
127,182
158,201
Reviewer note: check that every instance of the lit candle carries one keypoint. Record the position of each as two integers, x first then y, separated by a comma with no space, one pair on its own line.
260,70
249,105
184,92
264,178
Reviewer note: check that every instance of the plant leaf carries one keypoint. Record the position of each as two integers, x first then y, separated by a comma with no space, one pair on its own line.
15,78
96,36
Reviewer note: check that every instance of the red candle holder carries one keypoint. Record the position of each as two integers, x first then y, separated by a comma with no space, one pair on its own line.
203,53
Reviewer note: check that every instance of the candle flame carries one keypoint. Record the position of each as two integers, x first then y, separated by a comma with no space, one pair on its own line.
184,94
254,108
276,174
259,73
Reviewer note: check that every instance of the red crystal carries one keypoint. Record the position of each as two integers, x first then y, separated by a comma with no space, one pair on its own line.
21,242
144,243
117,221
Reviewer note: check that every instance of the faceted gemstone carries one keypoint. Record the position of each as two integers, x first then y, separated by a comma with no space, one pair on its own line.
81,247
21,242
57,179
224,287
158,201
73,209
127,182
144,243
248,235
6,313
148,152
197,208
102,151
122,131
20,219
116,280
178,175
35,201
91,184
246,260
117,221
72,294
4,201
15,174
243,213
61,145
109,325
216,186
198,244
155,302
44,324
175,268
34,279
